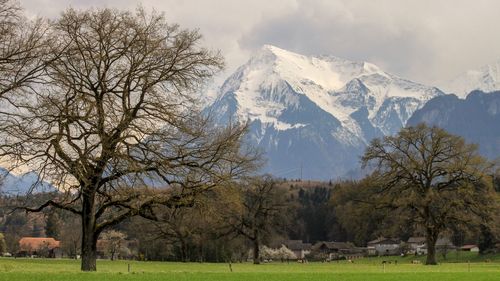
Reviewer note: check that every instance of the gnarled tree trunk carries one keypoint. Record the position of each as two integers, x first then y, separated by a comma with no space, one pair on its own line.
89,235
256,251
431,239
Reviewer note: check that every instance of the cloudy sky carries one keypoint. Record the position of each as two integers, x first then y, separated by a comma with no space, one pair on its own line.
429,41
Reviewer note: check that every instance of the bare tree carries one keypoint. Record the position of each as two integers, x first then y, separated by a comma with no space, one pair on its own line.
260,209
117,118
71,236
114,242
194,231
180,227
436,176
23,48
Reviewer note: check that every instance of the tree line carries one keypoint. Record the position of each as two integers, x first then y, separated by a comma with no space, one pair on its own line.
229,222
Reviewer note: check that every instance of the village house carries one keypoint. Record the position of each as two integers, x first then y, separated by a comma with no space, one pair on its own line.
443,245
415,245
39,247
299,248
338,250
370,251
386,246
470,248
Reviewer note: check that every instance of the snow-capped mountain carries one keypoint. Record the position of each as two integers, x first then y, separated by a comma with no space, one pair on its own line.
314,115
486,79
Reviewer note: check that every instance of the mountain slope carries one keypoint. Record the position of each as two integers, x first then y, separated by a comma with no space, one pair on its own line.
314,115
11,184
477,118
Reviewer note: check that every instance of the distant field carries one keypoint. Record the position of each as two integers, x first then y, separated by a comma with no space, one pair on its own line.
362,270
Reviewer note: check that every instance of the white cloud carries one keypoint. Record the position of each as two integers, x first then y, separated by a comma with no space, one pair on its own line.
424,40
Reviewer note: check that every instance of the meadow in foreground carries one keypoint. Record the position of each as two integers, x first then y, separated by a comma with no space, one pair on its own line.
366,269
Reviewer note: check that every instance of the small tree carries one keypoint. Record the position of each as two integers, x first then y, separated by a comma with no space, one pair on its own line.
259,211
178,227
114,242
436,176
283,253
267,253
71,236
486,240
53,225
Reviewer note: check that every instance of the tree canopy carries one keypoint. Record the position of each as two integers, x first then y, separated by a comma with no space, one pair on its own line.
117,118
441,180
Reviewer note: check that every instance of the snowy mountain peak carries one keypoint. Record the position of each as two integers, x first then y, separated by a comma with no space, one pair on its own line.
334,105
277,51
327,71
485,78
260,85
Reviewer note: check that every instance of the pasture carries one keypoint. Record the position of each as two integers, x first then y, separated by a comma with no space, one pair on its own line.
479,269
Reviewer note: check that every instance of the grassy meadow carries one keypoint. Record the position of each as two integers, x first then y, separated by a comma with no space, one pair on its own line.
454,268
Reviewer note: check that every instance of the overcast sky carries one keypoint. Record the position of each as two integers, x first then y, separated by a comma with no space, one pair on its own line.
427,41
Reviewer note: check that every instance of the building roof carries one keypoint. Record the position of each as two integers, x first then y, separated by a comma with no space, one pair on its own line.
297,245
35,243
385,241
416,240
468,247
334,245
444,242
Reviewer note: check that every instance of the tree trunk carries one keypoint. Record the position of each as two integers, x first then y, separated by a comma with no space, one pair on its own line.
256,251
89,235
184,253
431,247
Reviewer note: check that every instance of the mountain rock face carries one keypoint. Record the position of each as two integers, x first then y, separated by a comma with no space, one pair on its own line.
477,118
486,79
314,115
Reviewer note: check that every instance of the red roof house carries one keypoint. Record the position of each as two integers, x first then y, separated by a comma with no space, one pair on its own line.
38,246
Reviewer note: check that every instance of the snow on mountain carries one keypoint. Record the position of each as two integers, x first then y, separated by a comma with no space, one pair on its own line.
486,79
316,112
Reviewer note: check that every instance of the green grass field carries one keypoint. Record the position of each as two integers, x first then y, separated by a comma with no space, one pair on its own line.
454,268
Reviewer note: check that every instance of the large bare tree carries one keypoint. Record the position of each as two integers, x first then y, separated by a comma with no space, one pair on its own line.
117,119
23,48
441,180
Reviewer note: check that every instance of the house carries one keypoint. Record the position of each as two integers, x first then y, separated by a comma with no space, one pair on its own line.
299,248
416,244
470,248
443,245
386,246
370,251
39,246
338,250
